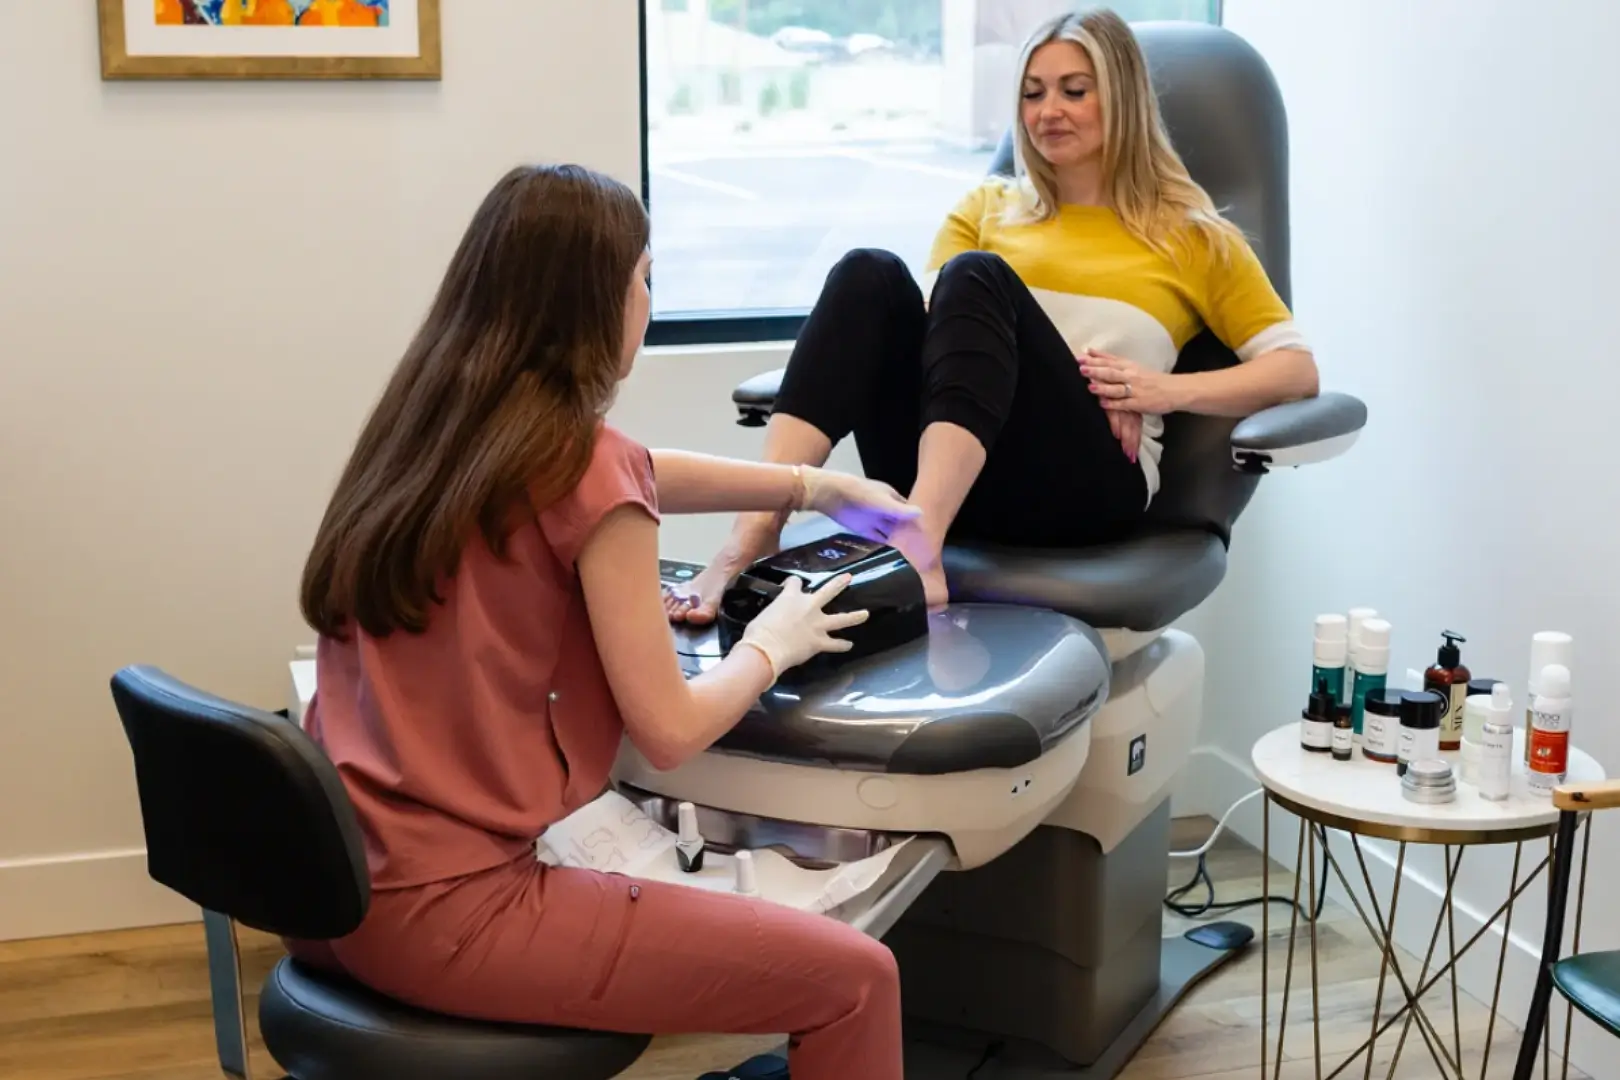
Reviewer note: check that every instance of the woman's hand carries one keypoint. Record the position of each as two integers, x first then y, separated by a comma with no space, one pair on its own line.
795,627
864,507
1126,386
1127,427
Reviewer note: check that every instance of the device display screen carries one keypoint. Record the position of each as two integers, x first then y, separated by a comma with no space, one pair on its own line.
826,557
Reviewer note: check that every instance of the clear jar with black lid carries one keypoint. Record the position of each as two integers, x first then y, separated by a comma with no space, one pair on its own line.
1421,714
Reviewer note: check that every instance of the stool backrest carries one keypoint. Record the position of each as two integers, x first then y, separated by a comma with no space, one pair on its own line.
243,813
1226,118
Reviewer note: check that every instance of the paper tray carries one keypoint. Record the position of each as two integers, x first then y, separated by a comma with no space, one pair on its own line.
877,909
614,835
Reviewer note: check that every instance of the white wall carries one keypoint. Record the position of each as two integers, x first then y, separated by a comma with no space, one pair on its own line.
1455,229
202,286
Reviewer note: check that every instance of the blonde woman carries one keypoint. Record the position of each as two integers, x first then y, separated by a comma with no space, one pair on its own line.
1022,404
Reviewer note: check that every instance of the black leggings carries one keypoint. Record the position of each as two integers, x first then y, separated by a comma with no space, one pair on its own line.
872,361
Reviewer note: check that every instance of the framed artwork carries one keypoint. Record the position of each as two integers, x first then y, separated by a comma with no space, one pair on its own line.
269,39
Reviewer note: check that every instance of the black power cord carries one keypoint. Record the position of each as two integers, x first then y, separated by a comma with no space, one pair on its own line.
1210,905
985,1058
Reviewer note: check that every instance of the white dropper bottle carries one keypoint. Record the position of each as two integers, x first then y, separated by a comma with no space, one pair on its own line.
1493,771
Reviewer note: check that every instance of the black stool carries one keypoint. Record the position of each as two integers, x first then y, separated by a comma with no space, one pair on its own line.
246,816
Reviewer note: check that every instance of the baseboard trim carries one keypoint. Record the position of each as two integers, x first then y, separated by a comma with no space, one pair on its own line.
85,893
1223,779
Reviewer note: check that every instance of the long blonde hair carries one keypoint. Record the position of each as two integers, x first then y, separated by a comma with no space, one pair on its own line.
1145,179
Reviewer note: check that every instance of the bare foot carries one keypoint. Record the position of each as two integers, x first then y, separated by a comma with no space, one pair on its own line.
752,538
935,593
923,551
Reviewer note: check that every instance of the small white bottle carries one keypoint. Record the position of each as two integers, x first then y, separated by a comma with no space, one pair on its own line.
1493,769
747,877
1551,717
1476,709
1372,669
1330,648
1352,656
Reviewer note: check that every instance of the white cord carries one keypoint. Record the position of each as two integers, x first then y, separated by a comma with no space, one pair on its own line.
1207,844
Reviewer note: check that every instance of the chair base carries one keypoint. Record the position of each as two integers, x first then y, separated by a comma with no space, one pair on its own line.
937,1053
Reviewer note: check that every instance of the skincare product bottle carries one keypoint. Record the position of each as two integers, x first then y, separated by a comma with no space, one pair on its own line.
1344,736
1372,667
1546,647
1422,712
1493,770
1329,654
1481,686
1316,721
1449,678
1358,618
1475,709
1551,716
1381,725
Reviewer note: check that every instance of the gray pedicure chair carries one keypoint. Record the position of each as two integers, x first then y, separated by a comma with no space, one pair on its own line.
1027,747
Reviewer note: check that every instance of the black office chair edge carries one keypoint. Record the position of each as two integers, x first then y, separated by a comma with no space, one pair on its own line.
1563,865
323,840
139,687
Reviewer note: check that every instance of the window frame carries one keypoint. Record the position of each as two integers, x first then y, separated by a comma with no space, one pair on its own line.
752,326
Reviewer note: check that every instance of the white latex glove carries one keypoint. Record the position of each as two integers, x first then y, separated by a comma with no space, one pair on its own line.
865,507
793,627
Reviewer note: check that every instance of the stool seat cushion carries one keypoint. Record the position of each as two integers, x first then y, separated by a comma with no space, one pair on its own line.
323,1027
1591,981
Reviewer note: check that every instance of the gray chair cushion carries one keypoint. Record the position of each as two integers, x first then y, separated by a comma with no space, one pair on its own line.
1145,583
1141,584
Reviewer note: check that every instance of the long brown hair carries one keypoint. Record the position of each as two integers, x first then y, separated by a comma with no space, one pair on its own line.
497,400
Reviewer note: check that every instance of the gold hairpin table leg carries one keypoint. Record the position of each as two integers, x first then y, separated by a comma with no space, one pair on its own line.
1446,1055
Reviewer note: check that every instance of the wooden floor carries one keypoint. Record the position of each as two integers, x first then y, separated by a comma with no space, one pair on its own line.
133,1005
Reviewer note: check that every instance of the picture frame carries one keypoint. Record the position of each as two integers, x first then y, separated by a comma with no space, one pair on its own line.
270,39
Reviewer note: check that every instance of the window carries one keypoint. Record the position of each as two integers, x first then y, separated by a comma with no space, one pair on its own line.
779,134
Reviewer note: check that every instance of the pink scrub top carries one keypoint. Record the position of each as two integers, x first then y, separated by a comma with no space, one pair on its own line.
459,746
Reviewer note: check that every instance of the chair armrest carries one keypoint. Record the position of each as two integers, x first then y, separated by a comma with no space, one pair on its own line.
756,397
1298,433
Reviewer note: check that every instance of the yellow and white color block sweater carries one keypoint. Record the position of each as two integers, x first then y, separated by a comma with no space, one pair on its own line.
1104,289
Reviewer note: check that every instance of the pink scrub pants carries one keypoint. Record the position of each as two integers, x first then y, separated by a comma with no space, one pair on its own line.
529,943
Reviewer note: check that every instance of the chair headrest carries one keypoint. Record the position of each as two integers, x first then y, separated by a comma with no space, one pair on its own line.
1226,118
243,813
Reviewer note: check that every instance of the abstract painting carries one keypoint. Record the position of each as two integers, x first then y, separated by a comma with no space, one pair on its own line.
270,39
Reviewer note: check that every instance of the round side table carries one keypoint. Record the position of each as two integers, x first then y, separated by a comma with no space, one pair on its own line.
1363,798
